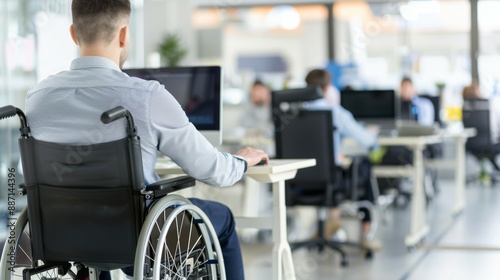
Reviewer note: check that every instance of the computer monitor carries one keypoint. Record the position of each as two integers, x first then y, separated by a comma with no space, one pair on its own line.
371,106
198,91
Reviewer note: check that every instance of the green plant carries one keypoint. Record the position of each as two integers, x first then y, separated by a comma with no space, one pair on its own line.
440,86
171,50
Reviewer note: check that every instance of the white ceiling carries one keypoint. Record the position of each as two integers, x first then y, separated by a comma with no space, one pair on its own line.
236,3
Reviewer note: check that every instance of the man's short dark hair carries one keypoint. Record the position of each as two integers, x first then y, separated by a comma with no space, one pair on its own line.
319,77
406,79
98,20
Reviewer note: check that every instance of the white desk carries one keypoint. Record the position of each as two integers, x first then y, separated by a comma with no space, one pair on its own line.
419,227
458,164
276,173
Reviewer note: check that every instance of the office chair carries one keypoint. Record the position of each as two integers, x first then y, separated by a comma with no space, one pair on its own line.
436,103
88,209
476,114
309,134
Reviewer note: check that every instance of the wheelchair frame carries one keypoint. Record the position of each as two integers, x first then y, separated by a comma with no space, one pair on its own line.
163,217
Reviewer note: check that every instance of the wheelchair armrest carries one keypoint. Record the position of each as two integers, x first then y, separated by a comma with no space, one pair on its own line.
170,185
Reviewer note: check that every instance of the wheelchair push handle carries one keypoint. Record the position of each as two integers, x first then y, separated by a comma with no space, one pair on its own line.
117,113
113,114
7,112
10,111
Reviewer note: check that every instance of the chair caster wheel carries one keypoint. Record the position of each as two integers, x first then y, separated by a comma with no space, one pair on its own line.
369,255
344,262
411,249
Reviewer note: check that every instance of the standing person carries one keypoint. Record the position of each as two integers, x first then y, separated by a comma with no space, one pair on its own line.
65,108
414,107
345,126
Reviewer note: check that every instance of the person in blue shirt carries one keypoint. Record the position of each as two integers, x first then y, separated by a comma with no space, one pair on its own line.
413,107
345,127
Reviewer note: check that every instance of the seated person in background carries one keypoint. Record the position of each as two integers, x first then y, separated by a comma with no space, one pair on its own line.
345,126
414,107
65,108
257,119
473,92
258,112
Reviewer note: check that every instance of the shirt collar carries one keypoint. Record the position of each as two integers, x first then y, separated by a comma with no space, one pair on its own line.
94,62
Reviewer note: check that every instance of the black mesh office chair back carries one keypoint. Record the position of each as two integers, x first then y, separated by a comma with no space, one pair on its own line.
303,133
436,102
308,134
476,114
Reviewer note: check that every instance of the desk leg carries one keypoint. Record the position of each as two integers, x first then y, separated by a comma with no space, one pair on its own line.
251,195
459,175
419,227
282,255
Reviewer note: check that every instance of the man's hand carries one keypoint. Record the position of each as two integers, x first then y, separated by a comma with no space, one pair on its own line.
253,156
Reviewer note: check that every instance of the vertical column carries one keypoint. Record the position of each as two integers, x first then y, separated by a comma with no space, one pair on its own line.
331,32
474,40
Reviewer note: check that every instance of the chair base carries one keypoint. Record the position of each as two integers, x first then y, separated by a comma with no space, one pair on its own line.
321,244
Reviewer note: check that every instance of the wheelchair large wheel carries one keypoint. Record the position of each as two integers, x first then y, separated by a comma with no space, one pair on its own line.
16,257
178,242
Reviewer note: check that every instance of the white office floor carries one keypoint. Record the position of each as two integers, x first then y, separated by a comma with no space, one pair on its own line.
462,248
466,247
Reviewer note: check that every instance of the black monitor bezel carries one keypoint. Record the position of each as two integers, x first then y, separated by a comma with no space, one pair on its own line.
389,116
216,70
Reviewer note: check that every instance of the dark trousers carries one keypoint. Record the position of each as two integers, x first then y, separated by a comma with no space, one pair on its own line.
364,191
223,222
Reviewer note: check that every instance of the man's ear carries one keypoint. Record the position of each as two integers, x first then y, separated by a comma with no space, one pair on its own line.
123,36
73,35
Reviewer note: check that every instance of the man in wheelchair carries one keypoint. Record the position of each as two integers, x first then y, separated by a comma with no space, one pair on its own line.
65,108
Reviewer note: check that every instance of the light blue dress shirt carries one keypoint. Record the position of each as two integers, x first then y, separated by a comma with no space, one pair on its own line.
425,114
66,108
345,126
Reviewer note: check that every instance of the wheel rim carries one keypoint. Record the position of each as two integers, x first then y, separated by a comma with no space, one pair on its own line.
158,219
182,251
23,257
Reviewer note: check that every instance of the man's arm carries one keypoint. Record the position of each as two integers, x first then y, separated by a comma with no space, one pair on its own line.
179,140
347,126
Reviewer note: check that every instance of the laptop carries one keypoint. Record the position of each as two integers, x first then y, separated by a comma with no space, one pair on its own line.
412,128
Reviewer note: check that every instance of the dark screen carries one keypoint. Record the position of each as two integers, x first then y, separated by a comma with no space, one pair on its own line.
197,89
369,104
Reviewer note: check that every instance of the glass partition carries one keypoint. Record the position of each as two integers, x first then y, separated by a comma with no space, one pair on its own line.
35,43
489,40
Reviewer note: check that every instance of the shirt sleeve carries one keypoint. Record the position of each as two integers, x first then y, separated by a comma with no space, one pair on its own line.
425,112
179,140
347,126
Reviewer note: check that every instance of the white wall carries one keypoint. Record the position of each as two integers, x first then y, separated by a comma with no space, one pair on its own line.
168,16
303,49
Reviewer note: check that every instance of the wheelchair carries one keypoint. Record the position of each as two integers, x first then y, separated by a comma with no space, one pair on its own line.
90,211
